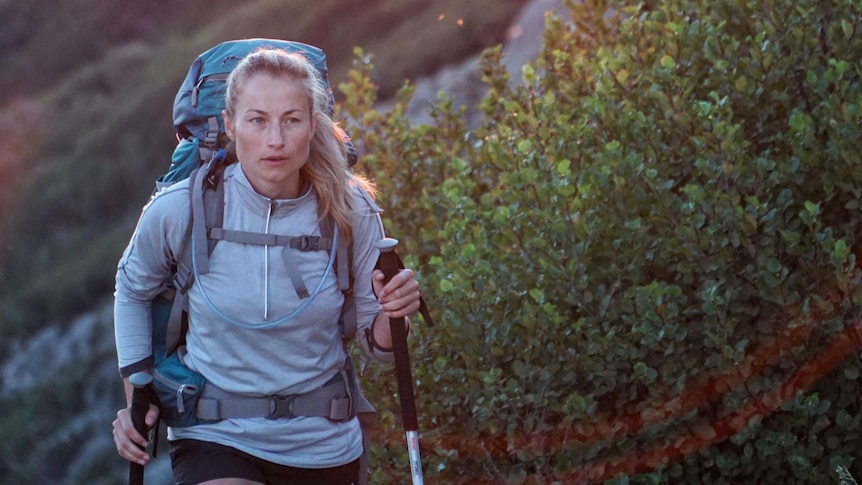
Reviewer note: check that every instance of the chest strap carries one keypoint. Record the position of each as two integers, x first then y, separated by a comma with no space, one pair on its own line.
332,401
303,243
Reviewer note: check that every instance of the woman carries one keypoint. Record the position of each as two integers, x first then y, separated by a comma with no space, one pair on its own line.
291,174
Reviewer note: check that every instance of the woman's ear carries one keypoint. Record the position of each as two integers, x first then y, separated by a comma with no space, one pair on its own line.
228,124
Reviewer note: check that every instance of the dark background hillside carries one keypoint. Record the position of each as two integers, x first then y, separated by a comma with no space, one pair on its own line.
86,91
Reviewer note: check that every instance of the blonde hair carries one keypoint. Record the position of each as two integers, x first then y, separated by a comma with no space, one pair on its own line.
327,169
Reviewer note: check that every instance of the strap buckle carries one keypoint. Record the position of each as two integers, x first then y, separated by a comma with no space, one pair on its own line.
309,243
340,408
281,407
183,279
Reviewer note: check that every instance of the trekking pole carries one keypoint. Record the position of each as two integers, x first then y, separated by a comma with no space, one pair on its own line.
140,405
389,266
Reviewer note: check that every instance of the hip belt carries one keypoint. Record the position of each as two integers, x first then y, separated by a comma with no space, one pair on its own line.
333,401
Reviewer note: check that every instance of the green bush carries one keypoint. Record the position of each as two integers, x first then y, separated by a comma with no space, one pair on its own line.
642,259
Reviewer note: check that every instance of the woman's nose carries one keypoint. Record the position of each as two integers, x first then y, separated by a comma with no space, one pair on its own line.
275,136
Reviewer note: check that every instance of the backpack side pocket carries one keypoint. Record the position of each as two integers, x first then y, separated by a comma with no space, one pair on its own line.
179,389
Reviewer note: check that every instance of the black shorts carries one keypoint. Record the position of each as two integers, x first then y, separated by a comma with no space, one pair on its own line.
196,461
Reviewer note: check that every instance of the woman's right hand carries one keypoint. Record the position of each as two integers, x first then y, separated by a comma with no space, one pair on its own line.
130,444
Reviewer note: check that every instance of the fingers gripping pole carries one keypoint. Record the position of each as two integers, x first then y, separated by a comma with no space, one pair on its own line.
389,266
140,405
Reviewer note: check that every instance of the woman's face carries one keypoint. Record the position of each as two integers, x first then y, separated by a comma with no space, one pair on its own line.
272,129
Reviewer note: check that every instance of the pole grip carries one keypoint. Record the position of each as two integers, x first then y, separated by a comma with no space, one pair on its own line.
388,263
140,405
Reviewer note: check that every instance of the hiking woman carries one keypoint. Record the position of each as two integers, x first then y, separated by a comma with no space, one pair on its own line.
291,174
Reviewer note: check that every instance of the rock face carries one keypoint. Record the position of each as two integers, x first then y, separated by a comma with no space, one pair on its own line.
463,82
526,34
45,355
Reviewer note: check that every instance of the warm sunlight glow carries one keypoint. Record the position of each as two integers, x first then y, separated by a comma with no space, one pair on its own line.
21,126
442,17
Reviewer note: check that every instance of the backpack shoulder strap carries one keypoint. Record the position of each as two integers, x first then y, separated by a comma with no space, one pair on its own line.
206,177
343,264
206,197
184,274
343,258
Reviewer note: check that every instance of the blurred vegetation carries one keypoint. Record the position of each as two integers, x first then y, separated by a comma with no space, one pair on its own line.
643,259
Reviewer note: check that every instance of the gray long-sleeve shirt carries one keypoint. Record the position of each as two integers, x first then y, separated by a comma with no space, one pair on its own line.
249,284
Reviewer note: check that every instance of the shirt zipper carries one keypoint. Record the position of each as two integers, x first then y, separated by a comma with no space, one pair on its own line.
266,263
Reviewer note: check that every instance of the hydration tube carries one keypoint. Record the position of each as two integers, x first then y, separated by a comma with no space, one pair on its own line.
275,323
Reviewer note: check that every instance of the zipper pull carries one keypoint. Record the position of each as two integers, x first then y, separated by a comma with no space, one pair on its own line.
181,407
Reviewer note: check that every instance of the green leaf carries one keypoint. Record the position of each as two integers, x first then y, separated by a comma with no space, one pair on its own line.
517,475
469,251
773,265
667,62
518,368
840,67
812,208
564,167
577,402
847,27
459,164
801,461
841,250
529,73
537,295
446,286
529,175
798,121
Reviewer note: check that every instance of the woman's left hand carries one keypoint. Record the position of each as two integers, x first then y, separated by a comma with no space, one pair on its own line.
398,298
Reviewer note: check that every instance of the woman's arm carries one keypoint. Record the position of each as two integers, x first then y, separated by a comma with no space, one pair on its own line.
376,302
141,275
